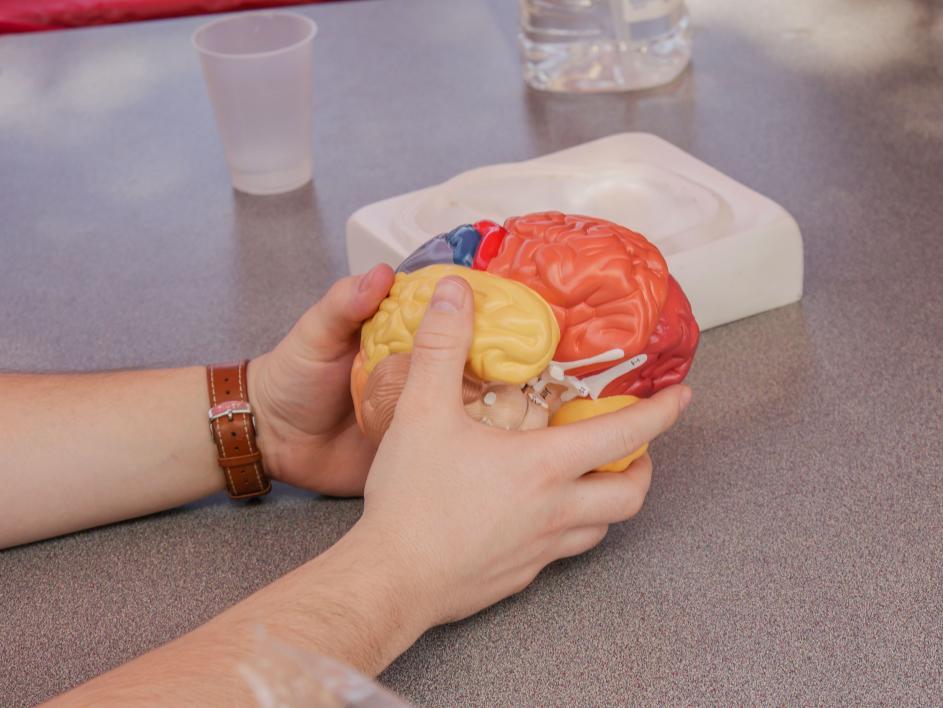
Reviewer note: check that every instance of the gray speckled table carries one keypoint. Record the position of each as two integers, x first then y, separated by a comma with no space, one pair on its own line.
792,545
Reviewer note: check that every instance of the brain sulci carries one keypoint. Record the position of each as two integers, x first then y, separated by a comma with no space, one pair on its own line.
608,289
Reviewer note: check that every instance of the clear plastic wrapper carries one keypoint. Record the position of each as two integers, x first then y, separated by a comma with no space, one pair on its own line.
281,675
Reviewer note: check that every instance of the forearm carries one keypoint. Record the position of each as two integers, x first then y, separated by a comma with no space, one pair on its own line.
89,449
354,603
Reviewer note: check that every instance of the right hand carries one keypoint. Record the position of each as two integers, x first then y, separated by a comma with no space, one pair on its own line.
471,513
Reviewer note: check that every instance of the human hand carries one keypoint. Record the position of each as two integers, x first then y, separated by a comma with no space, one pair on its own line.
472,513
301,392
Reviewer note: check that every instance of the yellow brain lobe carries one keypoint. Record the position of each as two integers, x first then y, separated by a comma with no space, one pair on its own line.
515,335
585,408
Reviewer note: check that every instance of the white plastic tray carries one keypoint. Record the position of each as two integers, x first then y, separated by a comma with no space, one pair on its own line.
735,252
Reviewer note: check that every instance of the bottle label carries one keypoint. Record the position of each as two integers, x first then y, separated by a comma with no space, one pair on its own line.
645,10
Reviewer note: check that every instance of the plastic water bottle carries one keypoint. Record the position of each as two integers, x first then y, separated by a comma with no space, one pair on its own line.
603,45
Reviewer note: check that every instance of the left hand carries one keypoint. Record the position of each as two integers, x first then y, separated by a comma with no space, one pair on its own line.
301,392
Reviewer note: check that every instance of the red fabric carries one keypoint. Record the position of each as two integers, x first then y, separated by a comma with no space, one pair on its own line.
34,15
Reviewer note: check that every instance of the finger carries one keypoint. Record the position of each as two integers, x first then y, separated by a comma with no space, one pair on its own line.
328,328
576,448
441,344
611,497
579,540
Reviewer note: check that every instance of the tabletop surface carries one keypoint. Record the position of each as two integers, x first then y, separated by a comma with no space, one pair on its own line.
792,544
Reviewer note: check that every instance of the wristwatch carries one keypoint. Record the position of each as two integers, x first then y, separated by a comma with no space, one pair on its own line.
232,425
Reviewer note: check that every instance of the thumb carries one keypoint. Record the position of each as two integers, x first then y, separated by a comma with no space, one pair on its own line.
325,330
441,344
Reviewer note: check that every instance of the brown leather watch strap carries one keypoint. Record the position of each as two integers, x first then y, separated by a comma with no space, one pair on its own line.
233,429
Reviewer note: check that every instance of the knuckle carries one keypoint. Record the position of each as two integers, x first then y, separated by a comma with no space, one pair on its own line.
541,459
559,518
597,535
417,409
410,407
628,439
436,343
563,463
560,457
633,503
644,472
665,410
522,580
536,481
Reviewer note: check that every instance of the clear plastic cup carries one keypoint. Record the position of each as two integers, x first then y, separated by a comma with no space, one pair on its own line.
258,75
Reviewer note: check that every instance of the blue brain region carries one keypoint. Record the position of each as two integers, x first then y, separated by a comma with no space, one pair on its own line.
458,247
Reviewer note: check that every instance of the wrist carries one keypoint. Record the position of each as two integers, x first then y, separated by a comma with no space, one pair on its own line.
266,437
364,581
382,554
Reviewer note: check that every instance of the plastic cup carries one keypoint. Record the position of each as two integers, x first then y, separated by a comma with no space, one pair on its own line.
257,68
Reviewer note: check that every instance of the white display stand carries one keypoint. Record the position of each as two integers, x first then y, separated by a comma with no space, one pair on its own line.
735,252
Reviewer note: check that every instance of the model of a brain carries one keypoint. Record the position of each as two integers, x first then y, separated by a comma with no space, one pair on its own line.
569,310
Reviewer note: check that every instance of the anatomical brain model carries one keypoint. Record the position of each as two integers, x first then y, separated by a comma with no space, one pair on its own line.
574,317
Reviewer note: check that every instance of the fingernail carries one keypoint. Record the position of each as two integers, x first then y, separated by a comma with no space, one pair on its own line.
685,397
449,296
367,279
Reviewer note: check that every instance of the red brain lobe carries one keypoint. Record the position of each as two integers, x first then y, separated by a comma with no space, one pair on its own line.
607,285
670,350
